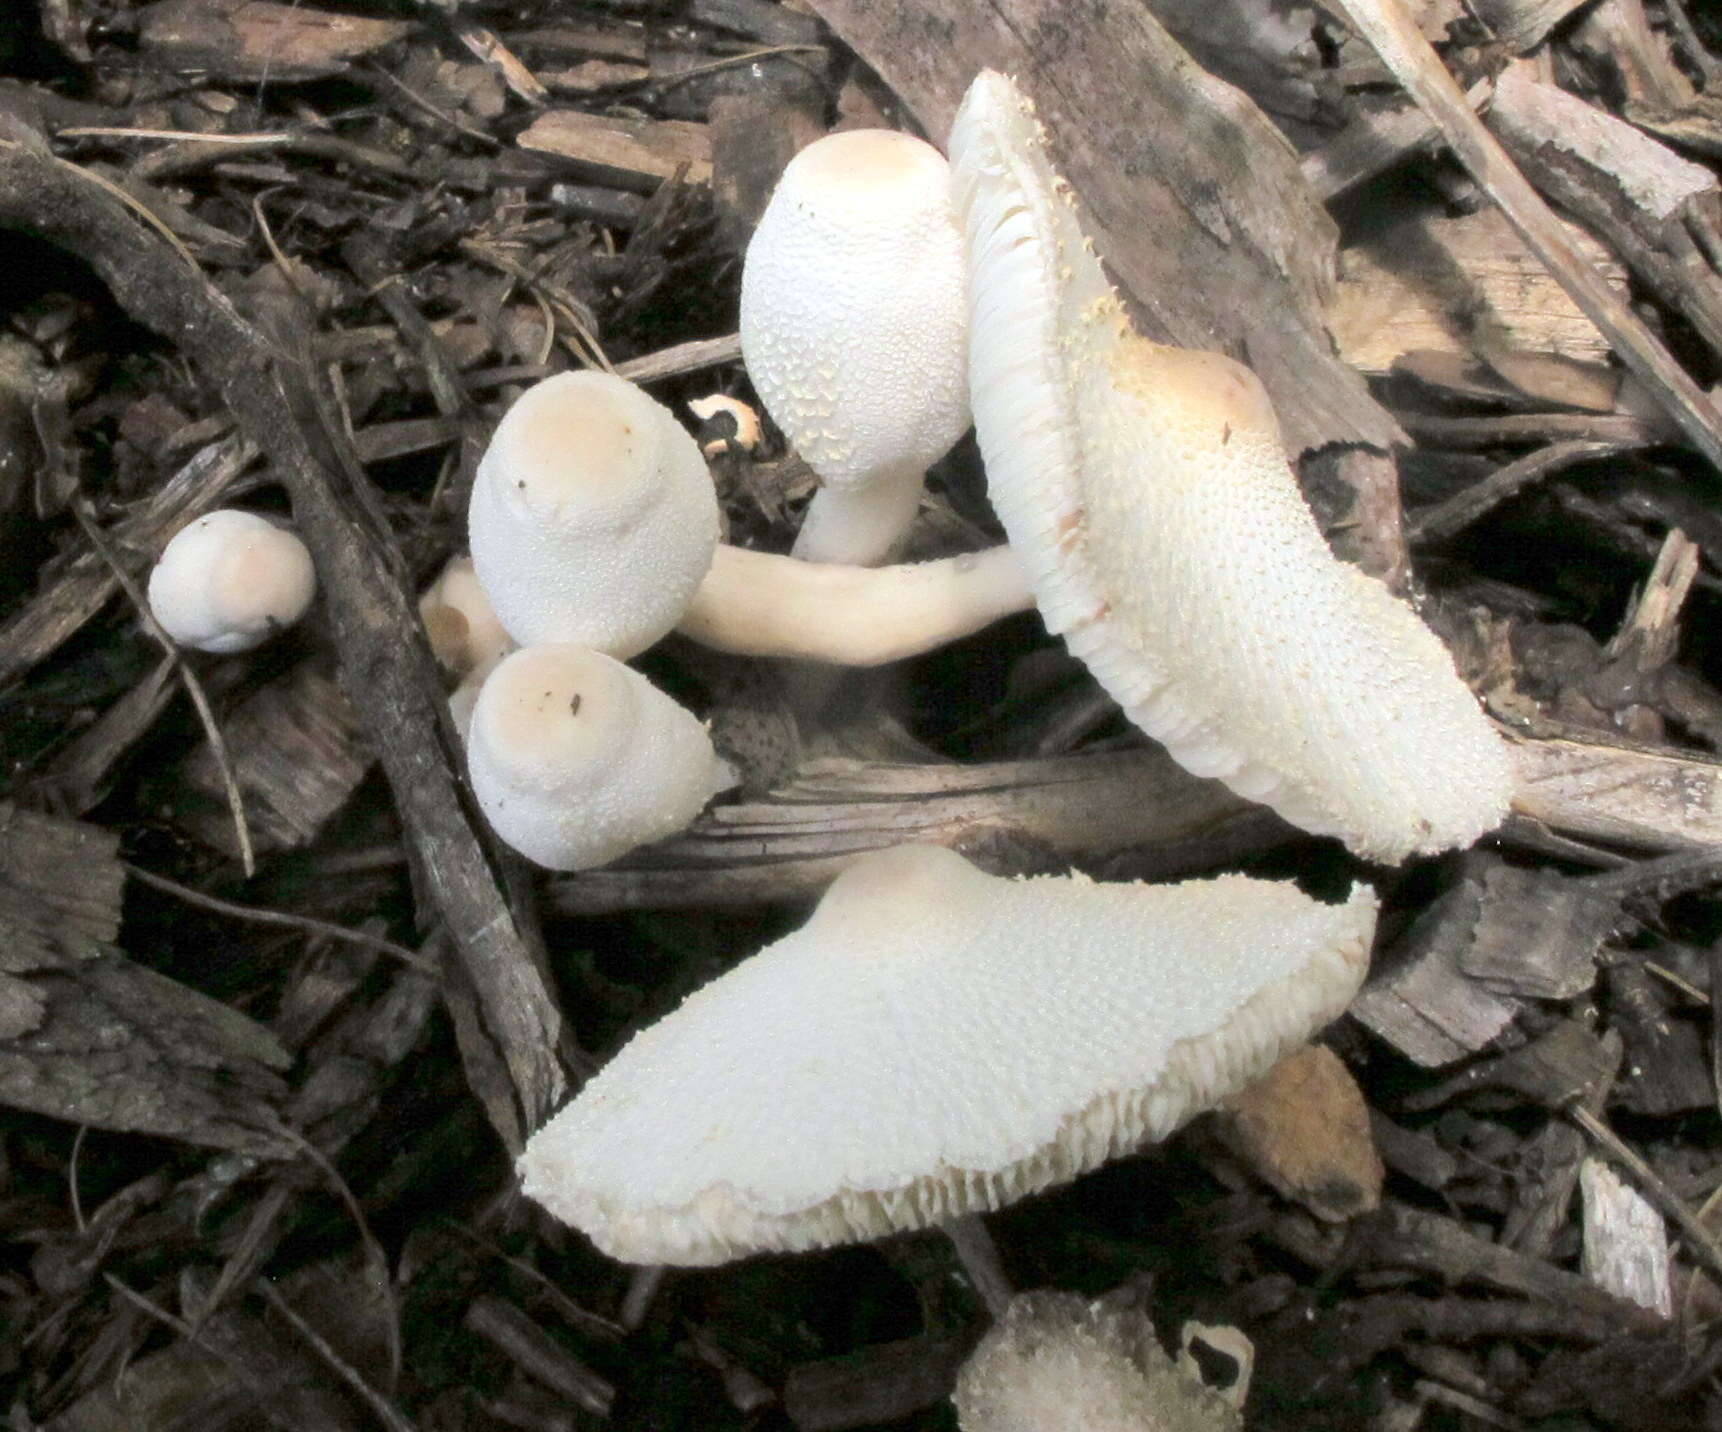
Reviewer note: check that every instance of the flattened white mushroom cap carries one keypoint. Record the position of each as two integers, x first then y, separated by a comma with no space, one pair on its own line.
934,1042
593,517
576,758
229,581
853,317
1058,1363
1149,494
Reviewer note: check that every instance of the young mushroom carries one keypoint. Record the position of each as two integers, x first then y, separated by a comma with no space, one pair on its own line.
753,603
576,758
852,328
1148,492
934,1042
462,625
1057,1362
593,517
230,580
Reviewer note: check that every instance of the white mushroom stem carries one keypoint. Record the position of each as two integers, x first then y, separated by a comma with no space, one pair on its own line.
760,604
576,758
860,526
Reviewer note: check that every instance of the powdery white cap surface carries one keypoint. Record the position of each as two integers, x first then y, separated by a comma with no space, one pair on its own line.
1169,545
933,1042
593,517
1058,1363
229,580
853,316
576,758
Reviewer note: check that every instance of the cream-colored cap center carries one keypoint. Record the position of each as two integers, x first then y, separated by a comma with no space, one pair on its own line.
567,439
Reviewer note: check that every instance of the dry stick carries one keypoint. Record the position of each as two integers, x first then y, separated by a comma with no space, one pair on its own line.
193,687
384,657
382,1409
1459,511
1413,62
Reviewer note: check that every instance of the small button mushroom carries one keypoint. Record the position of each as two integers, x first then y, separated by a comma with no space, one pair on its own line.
463,628
1148,492
1057,1362
593,517
852,328
576,758
230,580
934,1042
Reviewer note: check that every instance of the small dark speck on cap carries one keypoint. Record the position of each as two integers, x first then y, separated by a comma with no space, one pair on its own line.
574,705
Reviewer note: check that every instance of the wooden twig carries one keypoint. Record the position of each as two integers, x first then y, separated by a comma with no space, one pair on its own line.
1444,519
1388,26
385,660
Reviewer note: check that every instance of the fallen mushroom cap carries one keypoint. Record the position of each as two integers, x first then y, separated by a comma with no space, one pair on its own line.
934,1042
1058,1363
852,328
593,517
576,758
1148,492
230,580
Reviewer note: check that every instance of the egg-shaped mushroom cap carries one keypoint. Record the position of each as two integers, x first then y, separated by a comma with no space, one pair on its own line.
230,580
593,517
576,758
1057,1362
1148,492
852,308
933,1042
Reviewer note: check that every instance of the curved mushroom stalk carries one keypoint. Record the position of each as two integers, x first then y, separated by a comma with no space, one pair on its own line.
1148,491
852,327
760,604
933,1042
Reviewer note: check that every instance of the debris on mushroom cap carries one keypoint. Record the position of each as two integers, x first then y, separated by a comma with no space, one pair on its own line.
852,328
462,624
229,581
749,433
576,758
1057,1363
593,517
760,604
935,1042
1168,543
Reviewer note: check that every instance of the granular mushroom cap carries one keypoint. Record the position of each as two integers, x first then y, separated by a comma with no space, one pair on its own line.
593,517
934,1042
230,580
1148,491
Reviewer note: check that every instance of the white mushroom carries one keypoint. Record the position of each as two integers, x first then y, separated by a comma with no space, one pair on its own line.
935,1042
230,580
593,517
1149,494
464,631
576,758
1058,1363
852,324
547,565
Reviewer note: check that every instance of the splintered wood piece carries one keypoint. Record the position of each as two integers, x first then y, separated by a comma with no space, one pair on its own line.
1625,1239
1637,193
1538,932
89,1036
880,1383
298,752
1522,25
1304,1129
257,40
636,154
1418,998
1459,284
59,875
1569,1062
1388,26
792,843
1646,797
